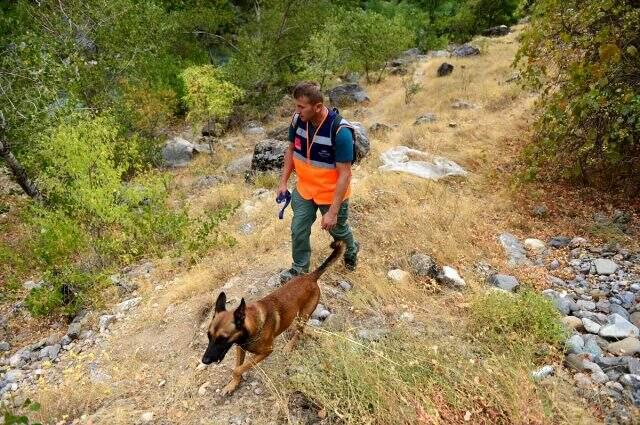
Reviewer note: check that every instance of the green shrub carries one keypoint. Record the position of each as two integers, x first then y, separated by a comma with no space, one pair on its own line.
508,320
588,128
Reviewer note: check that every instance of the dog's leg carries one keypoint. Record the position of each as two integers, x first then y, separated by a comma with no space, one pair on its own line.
236,375
302,321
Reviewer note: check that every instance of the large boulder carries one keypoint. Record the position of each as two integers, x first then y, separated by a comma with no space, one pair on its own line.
347,94
363,146
497,31
465,50
268,155
178,152
445,69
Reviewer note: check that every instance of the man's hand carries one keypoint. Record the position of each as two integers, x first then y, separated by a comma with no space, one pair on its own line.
329,220
282,188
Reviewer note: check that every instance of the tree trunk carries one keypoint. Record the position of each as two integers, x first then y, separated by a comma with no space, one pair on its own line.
19,172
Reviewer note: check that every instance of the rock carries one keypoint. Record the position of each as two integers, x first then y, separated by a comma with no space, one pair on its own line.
445,69
426,119
554,265
279,133
407,317
559,242
268,155
572,322
380,128
618,364
505,282
106,321
15,375
30,284
438,54
583,380
562,302
542,373
498,31
449,276
74,330
591,346
590,326
574,344
586,305
178,152
315,323
146,417
577,242
599,377
398,275
4,346
372,334
253,128
514,250
344,285
465,50
634,366
627,347
203,388
603,305
206,182
605,266
347,94
618,309
423,265
635,318
320,313
240,166
462,104
618,327
54,351
127,305
363,146
540,211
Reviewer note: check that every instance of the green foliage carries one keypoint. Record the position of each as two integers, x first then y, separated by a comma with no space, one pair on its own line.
587,69
207,95
498,318
11,418
207,232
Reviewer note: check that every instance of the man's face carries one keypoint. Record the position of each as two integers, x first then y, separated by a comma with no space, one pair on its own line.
306,109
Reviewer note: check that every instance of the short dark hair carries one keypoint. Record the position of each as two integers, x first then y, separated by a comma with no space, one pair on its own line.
310,90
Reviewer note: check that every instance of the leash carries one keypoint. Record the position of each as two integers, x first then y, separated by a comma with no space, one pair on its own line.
286,198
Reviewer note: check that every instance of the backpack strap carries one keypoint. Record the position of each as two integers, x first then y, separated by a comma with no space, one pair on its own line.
294,120
335,127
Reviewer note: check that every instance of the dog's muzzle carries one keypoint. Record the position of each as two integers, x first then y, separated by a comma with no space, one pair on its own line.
216,352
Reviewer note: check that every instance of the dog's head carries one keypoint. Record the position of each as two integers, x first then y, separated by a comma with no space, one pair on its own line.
225,329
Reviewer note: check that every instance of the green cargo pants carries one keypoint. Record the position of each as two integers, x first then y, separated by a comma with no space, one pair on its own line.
304,215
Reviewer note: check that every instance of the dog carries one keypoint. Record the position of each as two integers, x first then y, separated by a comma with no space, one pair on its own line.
253,327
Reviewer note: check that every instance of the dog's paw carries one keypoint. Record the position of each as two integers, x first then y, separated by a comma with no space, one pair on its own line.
230,388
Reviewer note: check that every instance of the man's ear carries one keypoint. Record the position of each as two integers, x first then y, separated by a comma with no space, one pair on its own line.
221,302
239,315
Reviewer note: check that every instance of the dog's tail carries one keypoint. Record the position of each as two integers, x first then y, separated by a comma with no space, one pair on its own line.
338,249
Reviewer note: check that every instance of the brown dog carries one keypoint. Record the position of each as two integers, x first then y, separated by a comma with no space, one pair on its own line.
253,327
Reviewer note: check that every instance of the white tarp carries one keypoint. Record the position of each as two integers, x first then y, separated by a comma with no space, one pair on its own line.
399,159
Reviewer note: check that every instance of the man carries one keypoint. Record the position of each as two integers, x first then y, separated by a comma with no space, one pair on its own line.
323,169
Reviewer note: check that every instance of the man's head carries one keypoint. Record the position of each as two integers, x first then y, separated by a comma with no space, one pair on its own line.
308,99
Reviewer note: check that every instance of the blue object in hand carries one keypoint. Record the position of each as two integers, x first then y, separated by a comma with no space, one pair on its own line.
286,198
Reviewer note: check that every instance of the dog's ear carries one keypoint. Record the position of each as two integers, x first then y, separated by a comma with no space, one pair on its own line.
221,302
238,315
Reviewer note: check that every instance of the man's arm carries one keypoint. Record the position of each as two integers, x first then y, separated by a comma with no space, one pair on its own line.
330,219
287,169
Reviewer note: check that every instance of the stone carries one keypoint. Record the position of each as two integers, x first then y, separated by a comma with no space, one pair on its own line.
445,69
535,245
428,118
514,250
372,334
572,322
407,317
626,347
586,305
554,265
599,377
634,366
240,165
591,346
590,326
320,313
635,318
497,31
618,327
577,361
74,330
363,145
380,128
465,50
347,94
505,282
577,242
540,211
203,388
449,276
54,351
562,302
15,375
574,344
105,321
268,155
4,346
344,285
542,373
146,417
603,305
438,54
253,128
423,265
206,182
583,380
30,284
604,266
314,322
178,152
398,275
559,242
462,104
127,305
618,309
